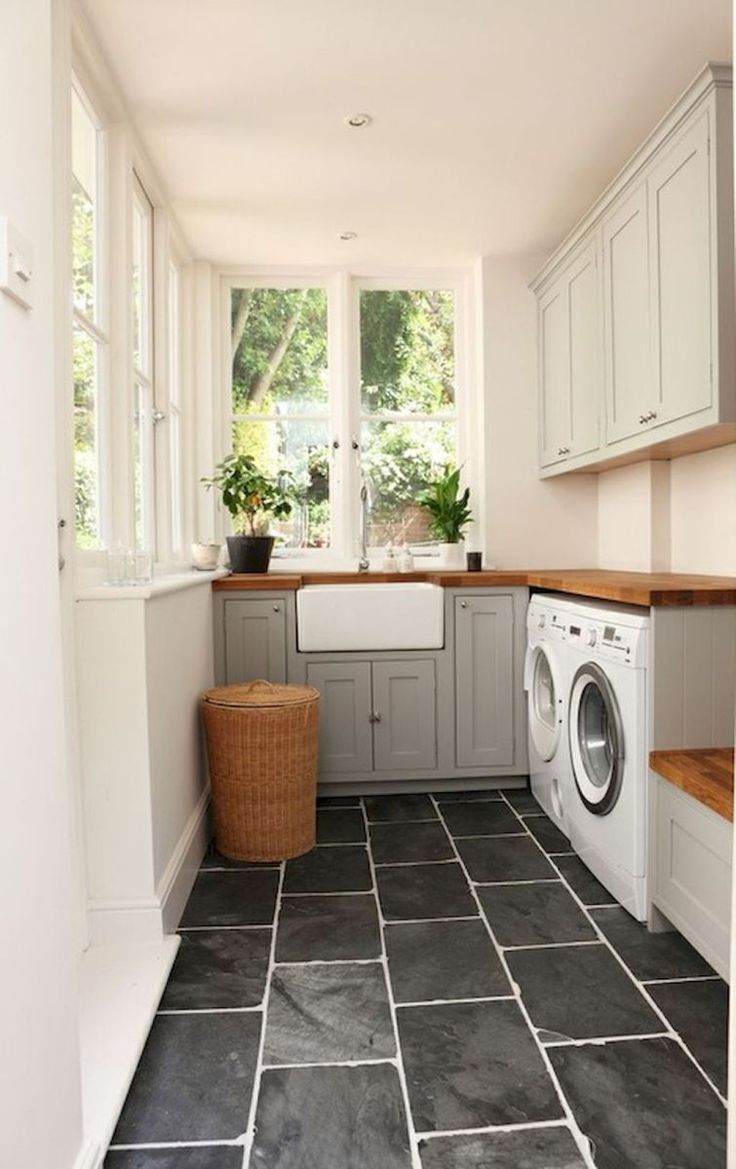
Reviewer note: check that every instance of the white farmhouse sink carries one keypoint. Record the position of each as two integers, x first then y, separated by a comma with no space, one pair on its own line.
370,616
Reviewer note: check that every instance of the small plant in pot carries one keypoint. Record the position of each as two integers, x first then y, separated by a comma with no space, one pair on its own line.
251,497
449,514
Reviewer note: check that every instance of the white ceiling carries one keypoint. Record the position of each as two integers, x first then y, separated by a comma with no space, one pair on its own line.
496,122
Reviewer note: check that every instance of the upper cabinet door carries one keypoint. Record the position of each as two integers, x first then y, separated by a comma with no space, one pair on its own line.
682,276
584,333
627,346
255,641
554,375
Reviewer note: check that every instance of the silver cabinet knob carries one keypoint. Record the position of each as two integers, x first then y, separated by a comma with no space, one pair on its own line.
463,604
563,450
277,608
374,717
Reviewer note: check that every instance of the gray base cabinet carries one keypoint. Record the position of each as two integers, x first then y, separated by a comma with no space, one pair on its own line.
484,699
395,715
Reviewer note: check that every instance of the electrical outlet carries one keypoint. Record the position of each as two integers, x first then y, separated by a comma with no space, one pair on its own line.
16,264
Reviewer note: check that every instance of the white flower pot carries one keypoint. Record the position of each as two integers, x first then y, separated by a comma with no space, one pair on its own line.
451,555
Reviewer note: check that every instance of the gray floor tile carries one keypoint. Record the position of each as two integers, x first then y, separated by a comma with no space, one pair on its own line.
580,992
547,833
532,1148
649,955
443,960
198,1157
470,1065
341,869
331,1118
328,1014
393,808
480,819
194,1080
232,898
522,800
218,969
582,882
325,929
505,858
642,1103
698,1011
340,826
397,843
532,915
424,891
215,860
467,797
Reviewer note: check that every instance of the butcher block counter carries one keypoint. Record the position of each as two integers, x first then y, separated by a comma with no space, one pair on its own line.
706,774
652,590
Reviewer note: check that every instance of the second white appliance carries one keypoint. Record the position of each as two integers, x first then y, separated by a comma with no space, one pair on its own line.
607,650
546,684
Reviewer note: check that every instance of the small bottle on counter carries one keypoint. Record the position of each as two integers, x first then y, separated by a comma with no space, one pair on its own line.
406,560
389,559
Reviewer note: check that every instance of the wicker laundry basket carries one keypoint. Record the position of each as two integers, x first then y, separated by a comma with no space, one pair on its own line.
262,748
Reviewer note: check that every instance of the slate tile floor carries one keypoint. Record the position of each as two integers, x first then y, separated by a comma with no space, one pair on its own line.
440,984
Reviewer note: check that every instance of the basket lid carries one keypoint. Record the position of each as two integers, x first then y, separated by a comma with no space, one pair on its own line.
260,693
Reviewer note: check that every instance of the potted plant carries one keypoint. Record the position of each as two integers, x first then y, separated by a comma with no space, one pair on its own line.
251,497
449,514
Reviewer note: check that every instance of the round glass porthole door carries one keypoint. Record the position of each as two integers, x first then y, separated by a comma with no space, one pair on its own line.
544,722
596,740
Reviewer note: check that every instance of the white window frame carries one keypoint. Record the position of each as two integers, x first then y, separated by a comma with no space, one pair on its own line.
343,321
96,326
143,370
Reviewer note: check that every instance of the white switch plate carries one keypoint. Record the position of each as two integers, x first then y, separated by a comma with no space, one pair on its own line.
16,264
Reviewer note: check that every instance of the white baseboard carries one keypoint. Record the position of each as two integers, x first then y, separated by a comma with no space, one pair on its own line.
148,919
90,1157
176,883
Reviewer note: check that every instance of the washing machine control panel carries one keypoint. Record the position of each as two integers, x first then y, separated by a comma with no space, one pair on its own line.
615,642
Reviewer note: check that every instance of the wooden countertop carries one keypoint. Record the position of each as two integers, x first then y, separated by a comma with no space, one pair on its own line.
705,774
632,588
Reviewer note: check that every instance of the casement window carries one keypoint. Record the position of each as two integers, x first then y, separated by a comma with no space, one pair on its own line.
142,364
345,383
174,412
90,337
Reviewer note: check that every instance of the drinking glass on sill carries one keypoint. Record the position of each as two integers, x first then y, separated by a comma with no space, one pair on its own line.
142,568
117,566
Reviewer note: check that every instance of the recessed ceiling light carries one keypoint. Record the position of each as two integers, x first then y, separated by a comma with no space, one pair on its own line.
348,235
358,121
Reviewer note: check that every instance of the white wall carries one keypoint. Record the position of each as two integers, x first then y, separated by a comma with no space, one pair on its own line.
677,515
703,512
39,1068
528,522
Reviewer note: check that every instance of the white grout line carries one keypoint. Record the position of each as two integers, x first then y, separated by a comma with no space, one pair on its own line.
197,929
684,978
411,864
490,1129
489,998
330,893
333,1063
333,962
580,1139
428,920
670,1032
181,1145
256,1090
550,945
605,1040
487,835
531,881
413,1143
214,1010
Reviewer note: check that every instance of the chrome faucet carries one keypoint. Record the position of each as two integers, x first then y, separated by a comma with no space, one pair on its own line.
365,505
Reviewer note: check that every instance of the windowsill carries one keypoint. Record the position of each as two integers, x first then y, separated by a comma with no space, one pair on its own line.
159,586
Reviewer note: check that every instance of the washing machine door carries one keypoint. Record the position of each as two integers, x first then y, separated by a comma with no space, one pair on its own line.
545,701
596,739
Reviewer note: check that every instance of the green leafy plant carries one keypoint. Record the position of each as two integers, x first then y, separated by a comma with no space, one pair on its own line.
250,496
447,507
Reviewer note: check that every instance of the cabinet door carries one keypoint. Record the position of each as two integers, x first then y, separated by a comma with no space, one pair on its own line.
255,641
484,681
554,406
627,345
586,342
681,283
404,727
345,738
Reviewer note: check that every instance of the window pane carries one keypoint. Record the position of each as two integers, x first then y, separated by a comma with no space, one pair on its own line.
278,340
141,276
86,440
399,460
407,351
301,448
84,199
138,469
174,419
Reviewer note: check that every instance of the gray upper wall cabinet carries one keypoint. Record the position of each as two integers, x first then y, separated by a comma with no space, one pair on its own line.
636,307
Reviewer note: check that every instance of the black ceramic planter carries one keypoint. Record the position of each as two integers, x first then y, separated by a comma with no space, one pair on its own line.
250,553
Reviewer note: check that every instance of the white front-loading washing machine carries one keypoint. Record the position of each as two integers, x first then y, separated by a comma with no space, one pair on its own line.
607,648
546,684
